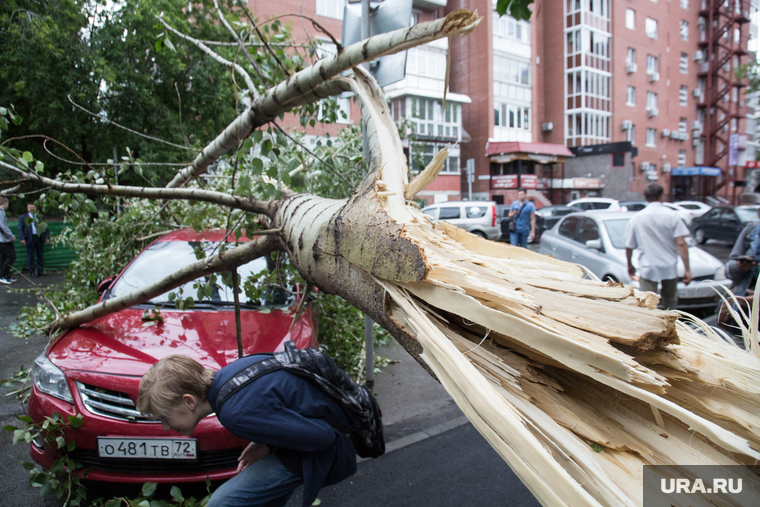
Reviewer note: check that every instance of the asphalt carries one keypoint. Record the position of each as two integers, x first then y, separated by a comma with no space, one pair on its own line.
434,456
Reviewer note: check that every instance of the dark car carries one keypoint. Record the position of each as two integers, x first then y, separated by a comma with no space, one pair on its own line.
634,205
723,223
550,215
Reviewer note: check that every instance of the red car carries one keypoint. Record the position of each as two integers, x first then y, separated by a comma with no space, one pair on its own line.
95,370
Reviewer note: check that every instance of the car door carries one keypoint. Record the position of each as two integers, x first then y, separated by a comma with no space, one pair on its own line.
564,243
451,214
592,258
730,225
710,223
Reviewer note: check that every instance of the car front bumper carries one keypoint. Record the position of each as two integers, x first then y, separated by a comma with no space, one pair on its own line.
701,294
218,450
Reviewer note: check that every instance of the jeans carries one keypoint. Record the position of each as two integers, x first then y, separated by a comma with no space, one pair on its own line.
519,238
34,248
668,298
266,483
7,258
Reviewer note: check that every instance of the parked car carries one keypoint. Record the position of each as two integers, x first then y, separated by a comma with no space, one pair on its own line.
683,214
95,370
595,203
477,217
550,215
633,205
696,208
595,240
723,223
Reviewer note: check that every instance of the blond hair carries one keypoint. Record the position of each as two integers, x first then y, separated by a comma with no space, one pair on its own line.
164,384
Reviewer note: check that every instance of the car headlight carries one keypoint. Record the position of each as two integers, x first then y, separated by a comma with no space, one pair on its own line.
49,379
720,273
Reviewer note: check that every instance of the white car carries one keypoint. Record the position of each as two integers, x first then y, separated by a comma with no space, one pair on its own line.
595,240
477,217
696,208
685,215
596,204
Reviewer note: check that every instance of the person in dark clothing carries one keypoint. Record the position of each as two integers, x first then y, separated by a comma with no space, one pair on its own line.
742,263
33,241
297,432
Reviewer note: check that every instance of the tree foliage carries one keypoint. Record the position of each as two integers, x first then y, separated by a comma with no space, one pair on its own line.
518,9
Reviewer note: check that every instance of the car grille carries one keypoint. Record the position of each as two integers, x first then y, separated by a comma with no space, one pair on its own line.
208,461
111,404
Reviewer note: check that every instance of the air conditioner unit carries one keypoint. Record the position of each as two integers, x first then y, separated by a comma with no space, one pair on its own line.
665,132
653,112
626,125
547,127
698,56
665,168
654,76
645,166
695,142
630,67
697,92
696,125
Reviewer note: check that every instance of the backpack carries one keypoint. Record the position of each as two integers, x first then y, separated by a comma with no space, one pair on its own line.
358,403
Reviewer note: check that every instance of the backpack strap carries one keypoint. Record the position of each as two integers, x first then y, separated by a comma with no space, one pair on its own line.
245,377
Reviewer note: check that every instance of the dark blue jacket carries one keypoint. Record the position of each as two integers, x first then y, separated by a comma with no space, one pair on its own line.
287,411
25,231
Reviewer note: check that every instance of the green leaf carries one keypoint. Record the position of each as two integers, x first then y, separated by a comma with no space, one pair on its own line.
169,44
596,447
71,445
272,171
257,136
27,465
60,441
257,165
177,494
41,227
10,428
144,503
171,297
148,489
114,502
27,156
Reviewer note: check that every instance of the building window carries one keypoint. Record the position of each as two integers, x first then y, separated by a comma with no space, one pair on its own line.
685,4
630,57
630,134
428,62
682,124
651,137
651,28
683,96
652,64
683,63
630,19
507,70
423,153
508,27
684,30
681,158
428,120
512,116
651,101
630,98
331,8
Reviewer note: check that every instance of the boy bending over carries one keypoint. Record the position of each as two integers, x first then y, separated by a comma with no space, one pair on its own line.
297,432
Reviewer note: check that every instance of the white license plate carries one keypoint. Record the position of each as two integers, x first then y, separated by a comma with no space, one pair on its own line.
150,448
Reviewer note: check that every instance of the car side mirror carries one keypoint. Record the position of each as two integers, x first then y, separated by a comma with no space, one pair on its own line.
594,244
105,284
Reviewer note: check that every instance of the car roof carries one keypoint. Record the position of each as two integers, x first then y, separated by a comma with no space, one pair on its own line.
603,215
189,234
466,203
596,199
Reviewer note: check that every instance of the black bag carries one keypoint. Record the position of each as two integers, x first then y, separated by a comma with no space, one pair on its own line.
514,218
358,403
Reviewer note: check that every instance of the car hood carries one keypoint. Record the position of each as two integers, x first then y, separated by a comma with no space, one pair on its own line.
122,344
701,263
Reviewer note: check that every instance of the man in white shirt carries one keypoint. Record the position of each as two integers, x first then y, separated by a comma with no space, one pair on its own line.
659,233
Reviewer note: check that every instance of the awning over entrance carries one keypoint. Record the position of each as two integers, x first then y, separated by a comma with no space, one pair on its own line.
542,153
695,171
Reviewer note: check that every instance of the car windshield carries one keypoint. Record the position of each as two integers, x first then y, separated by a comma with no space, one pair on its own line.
747,214
616,231
165,257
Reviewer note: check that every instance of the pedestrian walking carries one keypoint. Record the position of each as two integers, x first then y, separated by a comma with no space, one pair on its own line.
659,234
7,252
741,267
34,242
523,215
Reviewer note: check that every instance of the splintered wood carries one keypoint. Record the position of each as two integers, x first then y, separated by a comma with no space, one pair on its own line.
576,383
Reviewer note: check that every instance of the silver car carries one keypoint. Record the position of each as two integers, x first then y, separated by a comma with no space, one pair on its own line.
595,240
477,217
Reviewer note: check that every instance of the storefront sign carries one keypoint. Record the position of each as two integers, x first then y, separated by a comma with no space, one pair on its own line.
752,164
542,159
587,183
504,181
528,180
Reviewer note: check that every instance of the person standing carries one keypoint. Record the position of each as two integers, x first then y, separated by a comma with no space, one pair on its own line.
34,243
7,252
659,233
523,213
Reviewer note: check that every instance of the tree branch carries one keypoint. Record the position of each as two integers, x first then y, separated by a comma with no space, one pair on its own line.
213,54
261,37
223,261
242,48
209,196
312,83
